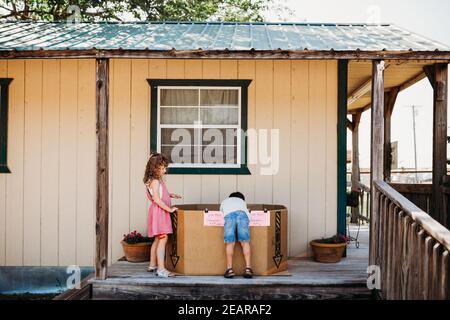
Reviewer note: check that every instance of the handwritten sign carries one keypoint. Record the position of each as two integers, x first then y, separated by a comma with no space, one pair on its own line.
216,219
213,219
259,219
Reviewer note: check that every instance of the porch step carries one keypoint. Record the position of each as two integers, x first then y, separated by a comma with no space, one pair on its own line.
235,289
305,279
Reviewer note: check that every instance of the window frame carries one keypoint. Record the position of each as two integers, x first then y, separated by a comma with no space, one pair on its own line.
4,87
155,126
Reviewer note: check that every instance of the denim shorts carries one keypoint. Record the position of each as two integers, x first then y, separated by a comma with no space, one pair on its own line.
236,223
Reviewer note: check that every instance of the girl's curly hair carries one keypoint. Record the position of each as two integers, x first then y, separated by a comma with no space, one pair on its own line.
155,161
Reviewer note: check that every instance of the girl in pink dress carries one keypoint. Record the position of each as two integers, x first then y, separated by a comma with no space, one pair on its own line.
159,222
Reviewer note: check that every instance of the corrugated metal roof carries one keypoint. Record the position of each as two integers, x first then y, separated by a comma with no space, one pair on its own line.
211,36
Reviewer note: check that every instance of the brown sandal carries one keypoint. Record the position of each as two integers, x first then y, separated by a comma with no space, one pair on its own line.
152,268
248,273
229,273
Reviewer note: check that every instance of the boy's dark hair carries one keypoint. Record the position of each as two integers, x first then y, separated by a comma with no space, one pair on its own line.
237,194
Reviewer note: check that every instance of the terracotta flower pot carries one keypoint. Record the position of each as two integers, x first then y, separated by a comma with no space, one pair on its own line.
137,252
328,252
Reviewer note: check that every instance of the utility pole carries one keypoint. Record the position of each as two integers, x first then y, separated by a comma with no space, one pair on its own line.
415,141
414,113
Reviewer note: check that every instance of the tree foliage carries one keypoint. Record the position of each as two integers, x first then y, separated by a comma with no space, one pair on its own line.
142,10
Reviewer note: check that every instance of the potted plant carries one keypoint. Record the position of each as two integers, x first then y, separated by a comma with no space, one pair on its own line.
329,250
136,247
353,198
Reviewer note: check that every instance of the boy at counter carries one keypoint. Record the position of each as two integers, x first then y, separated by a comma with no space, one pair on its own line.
236,227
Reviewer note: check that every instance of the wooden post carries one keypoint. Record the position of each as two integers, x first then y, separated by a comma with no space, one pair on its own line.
356,177
376,155
389,103
342,147
102,205
439,79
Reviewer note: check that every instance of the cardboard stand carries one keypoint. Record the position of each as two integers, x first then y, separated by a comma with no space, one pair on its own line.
197,246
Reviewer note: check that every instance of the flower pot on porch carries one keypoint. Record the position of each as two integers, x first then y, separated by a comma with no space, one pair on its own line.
137,252
327,252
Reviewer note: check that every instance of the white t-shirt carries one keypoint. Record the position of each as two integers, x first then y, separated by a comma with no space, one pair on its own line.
233,204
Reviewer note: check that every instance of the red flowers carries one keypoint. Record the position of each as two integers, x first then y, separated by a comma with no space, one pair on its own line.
343,238
135,237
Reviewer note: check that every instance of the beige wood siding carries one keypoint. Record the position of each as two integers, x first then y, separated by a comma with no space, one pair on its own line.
298,97
47,203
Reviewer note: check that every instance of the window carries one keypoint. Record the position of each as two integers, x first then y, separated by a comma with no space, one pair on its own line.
200,125
4,84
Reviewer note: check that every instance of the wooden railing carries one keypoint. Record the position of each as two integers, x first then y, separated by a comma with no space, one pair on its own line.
417,193
362,212
446,191
410,247
364,202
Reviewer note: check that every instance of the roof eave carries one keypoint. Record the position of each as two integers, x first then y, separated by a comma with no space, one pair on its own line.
228,54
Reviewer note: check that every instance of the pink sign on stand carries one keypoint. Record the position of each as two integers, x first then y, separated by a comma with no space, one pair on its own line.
257,219
213,219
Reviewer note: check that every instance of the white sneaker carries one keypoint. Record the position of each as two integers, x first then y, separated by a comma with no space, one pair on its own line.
164,273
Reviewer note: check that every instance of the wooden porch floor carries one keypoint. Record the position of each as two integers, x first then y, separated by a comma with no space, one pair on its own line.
308,280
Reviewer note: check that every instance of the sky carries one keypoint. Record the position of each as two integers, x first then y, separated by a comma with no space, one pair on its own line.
429,18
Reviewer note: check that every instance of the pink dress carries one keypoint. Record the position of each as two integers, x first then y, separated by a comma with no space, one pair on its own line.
158,219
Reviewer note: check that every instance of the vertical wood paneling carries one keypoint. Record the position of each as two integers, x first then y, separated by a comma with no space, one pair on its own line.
139,143
210,182
264,120
227,183
331,149
297,97
282,95
86,149
3,74
317,149
68,162
282,122
32,167
14,184
192,187
300,177
50,162
49,201
121,154
245,183
175,182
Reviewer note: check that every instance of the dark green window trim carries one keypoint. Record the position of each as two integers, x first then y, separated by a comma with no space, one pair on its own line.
4,85
154,83
342,147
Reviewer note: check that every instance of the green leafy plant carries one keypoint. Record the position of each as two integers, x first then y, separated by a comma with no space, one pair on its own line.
338,238
135,237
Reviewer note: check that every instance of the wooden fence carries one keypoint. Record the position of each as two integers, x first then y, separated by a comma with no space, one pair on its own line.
410,247
364,203
417,193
